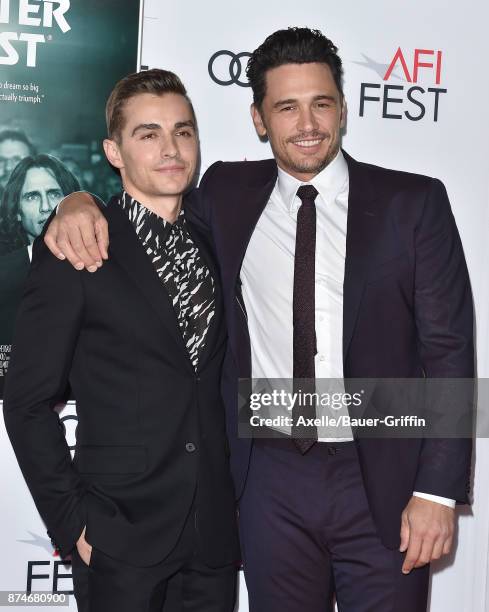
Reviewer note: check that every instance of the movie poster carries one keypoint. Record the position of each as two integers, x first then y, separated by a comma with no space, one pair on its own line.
59,60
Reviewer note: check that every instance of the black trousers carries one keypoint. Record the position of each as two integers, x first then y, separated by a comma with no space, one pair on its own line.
307,535
180,583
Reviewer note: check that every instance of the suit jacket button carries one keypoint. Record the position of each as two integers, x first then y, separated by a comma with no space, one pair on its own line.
190,447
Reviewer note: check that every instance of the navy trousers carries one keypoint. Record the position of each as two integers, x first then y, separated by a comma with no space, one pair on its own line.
307,536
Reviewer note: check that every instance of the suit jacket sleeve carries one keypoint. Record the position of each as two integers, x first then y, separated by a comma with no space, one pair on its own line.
444,318
45,338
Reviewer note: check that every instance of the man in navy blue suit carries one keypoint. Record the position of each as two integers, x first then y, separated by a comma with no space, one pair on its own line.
330,268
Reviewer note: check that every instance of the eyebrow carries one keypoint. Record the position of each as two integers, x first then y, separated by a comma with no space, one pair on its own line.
34,192
146,126
182,124
157,126
294,100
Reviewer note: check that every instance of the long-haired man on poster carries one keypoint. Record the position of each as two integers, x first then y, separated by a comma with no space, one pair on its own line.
148,499
383,293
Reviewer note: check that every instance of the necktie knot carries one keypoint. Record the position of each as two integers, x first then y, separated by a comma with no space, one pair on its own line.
307,193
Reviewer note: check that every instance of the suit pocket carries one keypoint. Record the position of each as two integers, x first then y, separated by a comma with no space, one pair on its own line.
90,562
387,268
110,459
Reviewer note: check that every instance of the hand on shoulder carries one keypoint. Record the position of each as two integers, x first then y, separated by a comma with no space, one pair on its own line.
79,232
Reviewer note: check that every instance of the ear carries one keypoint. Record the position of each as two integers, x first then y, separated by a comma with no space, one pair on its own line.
344,114
112,153
258,121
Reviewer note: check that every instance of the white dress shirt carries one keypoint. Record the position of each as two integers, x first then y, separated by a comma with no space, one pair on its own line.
267,277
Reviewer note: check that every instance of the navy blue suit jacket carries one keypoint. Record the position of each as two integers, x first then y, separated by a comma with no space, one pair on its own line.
407,312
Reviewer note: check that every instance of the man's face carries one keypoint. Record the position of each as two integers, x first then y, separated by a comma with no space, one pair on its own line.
158,148
302,115
39,196
11,153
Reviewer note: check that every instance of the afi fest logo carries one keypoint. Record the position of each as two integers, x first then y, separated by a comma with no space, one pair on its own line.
55,574
413,101
45,14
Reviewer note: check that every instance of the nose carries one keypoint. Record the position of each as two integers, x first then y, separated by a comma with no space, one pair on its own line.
45,205
307,120
169,147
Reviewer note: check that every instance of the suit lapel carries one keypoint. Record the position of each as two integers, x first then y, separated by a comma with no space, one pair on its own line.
361,239
237,223
244,216
128,252
363,225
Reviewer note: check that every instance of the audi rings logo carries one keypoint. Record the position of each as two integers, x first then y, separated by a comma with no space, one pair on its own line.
228,68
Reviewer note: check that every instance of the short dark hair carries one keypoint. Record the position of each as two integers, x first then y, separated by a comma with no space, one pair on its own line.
19,136
11,230
154,81
292,46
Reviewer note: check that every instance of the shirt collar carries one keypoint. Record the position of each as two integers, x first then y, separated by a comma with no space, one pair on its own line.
138,213
329,183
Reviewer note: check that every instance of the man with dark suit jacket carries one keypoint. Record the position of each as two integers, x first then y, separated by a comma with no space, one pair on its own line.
148,497
330,268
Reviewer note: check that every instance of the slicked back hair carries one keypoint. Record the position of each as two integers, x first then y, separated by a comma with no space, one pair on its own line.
292,46
154,81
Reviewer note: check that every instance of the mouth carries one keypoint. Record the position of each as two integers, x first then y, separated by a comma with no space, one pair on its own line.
308,145
170,169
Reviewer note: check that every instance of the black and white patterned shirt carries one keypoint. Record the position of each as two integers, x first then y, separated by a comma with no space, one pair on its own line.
179,265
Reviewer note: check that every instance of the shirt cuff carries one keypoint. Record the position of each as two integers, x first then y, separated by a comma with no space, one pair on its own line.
445,501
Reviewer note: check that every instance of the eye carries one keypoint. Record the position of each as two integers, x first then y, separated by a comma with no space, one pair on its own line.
287,108
184,133
31,196
148,136
55,194
325,104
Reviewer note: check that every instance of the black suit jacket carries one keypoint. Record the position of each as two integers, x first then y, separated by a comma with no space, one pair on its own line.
150,429
407,313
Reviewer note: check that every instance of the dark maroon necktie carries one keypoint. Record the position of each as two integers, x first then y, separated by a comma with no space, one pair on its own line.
305,435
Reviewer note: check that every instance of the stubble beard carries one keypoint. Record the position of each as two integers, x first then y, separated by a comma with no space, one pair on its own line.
312,166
